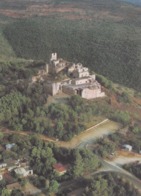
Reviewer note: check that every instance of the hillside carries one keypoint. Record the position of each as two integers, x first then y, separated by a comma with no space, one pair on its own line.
67,140
135,2
102,34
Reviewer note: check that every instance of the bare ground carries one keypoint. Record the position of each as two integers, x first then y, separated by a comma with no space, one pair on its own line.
125,157
94,132
71,10
104,128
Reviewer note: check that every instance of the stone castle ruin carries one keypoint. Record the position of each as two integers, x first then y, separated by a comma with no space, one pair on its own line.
79,81
56,64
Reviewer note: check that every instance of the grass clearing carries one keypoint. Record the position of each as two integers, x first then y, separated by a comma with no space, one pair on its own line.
6,50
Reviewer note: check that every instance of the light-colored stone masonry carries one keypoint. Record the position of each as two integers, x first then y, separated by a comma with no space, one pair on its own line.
80,81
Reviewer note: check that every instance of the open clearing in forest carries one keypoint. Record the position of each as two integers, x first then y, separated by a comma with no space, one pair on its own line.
125,157
104,128
97,131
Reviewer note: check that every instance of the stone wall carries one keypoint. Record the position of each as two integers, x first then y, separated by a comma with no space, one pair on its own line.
53,88
68,90
92,93
56,66
81,81
77,74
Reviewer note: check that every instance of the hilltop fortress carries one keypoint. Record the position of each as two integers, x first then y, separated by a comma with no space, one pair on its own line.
78,82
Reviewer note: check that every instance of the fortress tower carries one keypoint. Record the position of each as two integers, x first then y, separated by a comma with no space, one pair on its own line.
53,57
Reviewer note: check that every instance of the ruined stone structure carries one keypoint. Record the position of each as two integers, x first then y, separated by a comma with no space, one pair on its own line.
78,71
80,82
40,76
56,64
86,87
53,87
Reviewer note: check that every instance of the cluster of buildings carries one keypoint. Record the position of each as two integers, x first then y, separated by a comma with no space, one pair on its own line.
11,168
79,81
19,167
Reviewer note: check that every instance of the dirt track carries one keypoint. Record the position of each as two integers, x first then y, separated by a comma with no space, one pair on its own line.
125,157
104,128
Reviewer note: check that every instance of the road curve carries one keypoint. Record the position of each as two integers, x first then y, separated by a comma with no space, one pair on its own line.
95,132
103,128
112,167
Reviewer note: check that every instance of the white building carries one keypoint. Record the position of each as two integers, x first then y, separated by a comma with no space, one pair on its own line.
23,172
127,147
9,146
78,71
80,81
3,165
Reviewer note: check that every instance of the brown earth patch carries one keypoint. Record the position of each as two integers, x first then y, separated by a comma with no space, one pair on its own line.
12,13
96,131
70,11
128,154
134,108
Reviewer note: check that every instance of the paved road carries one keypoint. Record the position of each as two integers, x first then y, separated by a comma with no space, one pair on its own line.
108,166
106,127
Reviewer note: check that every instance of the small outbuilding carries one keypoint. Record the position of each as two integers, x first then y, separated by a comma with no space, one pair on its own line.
3,165
9,146
60,168
22,172
127,147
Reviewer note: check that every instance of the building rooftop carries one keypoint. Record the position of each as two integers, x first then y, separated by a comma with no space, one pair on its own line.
59,167
9,146
20,171
127,146
94,85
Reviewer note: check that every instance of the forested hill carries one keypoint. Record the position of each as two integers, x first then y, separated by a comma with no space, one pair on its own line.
102,34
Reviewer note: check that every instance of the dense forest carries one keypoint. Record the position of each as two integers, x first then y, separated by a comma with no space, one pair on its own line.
82,165
103,35
109,45
109,185
103,46
23,105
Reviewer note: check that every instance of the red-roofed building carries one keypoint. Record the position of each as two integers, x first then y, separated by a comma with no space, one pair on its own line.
60,168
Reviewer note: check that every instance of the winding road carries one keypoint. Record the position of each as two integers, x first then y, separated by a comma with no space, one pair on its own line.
97,131
112,167
83,139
